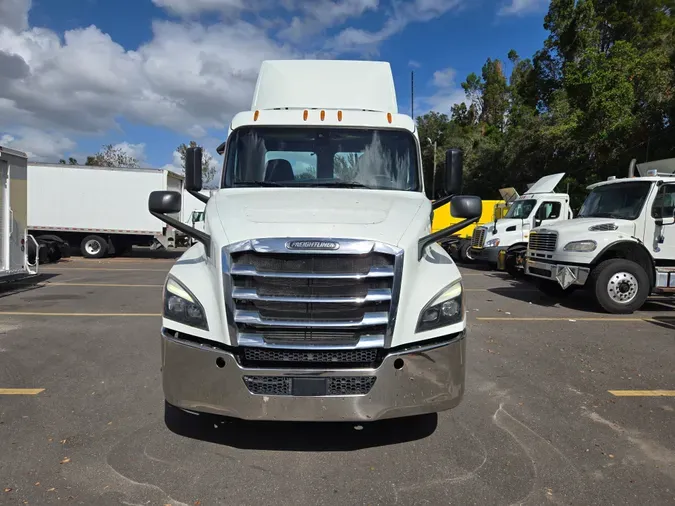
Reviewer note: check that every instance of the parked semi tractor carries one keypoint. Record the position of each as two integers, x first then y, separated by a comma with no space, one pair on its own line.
621,247
15,241
458,245
317,290
99,210
539,205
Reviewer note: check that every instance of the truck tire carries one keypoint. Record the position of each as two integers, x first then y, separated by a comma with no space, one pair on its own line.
94,246
465,252
510,265
620,286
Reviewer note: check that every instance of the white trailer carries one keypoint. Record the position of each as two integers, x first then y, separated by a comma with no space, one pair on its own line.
15,242
193,211
100,210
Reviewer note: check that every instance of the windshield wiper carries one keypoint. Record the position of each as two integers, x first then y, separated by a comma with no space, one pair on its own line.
339,184
257,183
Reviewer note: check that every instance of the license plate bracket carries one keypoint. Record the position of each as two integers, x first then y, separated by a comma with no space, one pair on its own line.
309,387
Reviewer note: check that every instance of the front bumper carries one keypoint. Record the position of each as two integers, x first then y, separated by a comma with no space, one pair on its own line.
431,379
488,255
564,275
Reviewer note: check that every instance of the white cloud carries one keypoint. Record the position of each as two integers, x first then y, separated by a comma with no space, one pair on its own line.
402,14
136,151
521,7
39,145
446,92
414,64
317,15
188,78
176,164
14,14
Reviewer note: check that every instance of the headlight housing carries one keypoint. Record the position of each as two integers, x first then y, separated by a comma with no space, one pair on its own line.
446,308
581,246
492,243
181,306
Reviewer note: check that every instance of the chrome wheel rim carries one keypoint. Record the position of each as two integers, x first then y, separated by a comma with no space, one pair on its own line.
92,247
622,287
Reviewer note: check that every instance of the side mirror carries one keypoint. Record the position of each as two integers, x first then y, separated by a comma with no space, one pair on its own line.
452,176
466,206
193,169
164,202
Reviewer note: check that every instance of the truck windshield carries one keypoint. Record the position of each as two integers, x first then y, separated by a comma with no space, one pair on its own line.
521,209
331,157
622,201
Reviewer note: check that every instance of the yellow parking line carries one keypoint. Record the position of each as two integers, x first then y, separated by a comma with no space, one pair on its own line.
510,289
30,313
642,393
21,391
102,284
100,269
569,318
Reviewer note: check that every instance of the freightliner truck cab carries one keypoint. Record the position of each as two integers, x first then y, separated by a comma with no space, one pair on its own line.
621,247
316,290
538,206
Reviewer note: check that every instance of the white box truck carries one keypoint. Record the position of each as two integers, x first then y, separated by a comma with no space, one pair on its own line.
99,210
317,290
15,241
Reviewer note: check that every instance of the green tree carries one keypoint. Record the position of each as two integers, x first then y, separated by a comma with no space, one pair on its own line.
111,156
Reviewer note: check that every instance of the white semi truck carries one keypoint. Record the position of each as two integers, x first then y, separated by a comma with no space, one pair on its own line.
316,291
539,205
15,241
621,247
99,210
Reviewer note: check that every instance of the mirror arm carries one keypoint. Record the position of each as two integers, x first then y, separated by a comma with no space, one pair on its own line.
441,202
205,239
442,234
199,196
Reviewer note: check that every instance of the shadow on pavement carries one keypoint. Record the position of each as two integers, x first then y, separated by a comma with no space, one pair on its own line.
666,322
24,285
298,436
577,300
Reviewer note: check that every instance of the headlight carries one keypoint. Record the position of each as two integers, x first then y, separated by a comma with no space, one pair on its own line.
183,307
444,309
581,246
492,243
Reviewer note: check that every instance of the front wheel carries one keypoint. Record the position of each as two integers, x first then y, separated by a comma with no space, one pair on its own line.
620,286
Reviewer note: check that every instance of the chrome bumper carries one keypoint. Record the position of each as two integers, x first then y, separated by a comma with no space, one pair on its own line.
431,379
564,275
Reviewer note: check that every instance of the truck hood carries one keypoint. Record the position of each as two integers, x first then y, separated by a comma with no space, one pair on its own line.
379,215
580,226
503,224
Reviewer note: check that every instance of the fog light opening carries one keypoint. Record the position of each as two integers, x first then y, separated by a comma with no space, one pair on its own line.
220,362
398,363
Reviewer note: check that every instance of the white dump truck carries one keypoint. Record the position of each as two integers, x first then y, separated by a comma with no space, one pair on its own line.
15,241
621,246
539,205
317,291
99,210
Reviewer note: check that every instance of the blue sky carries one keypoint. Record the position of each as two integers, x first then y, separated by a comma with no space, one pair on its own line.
149,74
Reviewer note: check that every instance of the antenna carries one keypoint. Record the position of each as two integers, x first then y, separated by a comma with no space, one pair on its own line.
412,94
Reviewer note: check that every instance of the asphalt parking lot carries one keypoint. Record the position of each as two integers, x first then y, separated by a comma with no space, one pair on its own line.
564,405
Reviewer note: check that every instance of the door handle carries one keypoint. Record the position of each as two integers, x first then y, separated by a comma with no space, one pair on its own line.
11,222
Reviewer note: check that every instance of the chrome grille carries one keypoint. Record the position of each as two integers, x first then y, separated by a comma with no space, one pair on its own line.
364,357
542,241
311,297
478,237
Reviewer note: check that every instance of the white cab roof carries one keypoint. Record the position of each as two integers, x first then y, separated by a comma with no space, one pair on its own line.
546,184
325,84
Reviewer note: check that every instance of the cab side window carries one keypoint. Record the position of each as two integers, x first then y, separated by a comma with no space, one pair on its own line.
664,203
549,211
